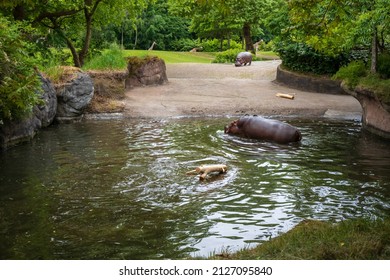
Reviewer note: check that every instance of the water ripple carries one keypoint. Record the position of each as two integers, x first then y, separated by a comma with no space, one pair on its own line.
124,182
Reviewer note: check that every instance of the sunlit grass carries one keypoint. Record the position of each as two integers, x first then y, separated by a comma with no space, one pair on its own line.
174,57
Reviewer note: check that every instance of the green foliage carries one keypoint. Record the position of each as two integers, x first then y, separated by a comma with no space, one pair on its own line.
336,27
19,83
110,59
185,44
355,74
302,58
225,19
155,24
215,45
228,56
351,73
384,65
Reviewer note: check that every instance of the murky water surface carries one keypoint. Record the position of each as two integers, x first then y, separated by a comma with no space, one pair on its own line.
118,189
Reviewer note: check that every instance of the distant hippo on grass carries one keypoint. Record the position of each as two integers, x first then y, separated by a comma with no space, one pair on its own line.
264,129
243,58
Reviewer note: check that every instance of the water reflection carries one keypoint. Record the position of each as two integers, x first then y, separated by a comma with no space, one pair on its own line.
118,190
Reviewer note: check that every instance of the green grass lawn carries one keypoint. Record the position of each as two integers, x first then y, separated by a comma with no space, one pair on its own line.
188,57
174,57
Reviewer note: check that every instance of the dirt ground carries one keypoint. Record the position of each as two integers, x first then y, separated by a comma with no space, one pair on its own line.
225,90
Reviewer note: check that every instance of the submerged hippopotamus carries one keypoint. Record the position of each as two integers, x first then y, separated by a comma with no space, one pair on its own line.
264,129
243,58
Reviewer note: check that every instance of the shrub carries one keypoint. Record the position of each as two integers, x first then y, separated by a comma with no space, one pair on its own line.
351,73
228,56
108,60
302,58
19,82
185,44
215,45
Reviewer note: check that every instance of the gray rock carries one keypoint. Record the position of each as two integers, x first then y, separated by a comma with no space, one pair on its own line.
73,97
16,131
46,113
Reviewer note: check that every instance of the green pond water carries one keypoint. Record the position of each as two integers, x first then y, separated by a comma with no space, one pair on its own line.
118,189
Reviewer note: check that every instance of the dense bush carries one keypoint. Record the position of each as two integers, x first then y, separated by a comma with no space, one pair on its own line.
351,73
228,56
185,44
215,45
19,82
302,58
384,65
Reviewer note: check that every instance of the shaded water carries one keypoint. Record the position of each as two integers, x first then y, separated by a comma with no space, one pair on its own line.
117,189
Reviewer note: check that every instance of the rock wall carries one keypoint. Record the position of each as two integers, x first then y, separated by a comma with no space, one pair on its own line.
376,115
16,131
307,82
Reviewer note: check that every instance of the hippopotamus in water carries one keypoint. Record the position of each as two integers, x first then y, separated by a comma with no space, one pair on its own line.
243,58
264,129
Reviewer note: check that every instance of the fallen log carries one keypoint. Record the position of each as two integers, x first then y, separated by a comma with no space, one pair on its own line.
203,170
285,95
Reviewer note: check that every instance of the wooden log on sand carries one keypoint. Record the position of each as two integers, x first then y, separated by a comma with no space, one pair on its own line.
285,95
203,170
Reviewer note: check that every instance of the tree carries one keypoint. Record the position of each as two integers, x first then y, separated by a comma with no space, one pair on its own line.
73,20
221,18
335,26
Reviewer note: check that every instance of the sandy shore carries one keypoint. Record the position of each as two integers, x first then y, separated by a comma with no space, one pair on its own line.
225,90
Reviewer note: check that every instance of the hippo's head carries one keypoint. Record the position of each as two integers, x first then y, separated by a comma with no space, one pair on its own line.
238,62
232,128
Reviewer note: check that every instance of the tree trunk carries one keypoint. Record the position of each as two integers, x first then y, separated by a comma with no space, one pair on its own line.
374,51
75,55
87,40
136,38
247,37
88,13
19,12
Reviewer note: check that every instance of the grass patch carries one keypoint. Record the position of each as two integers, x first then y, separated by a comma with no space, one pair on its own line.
110,59
174,57
381,87
348,240
267,55
356,75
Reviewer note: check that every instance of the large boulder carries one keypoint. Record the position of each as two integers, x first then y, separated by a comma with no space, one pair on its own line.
74,93
46,112
16,131
146,71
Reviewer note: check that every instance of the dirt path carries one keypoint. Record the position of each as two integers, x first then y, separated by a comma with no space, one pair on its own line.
225,90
